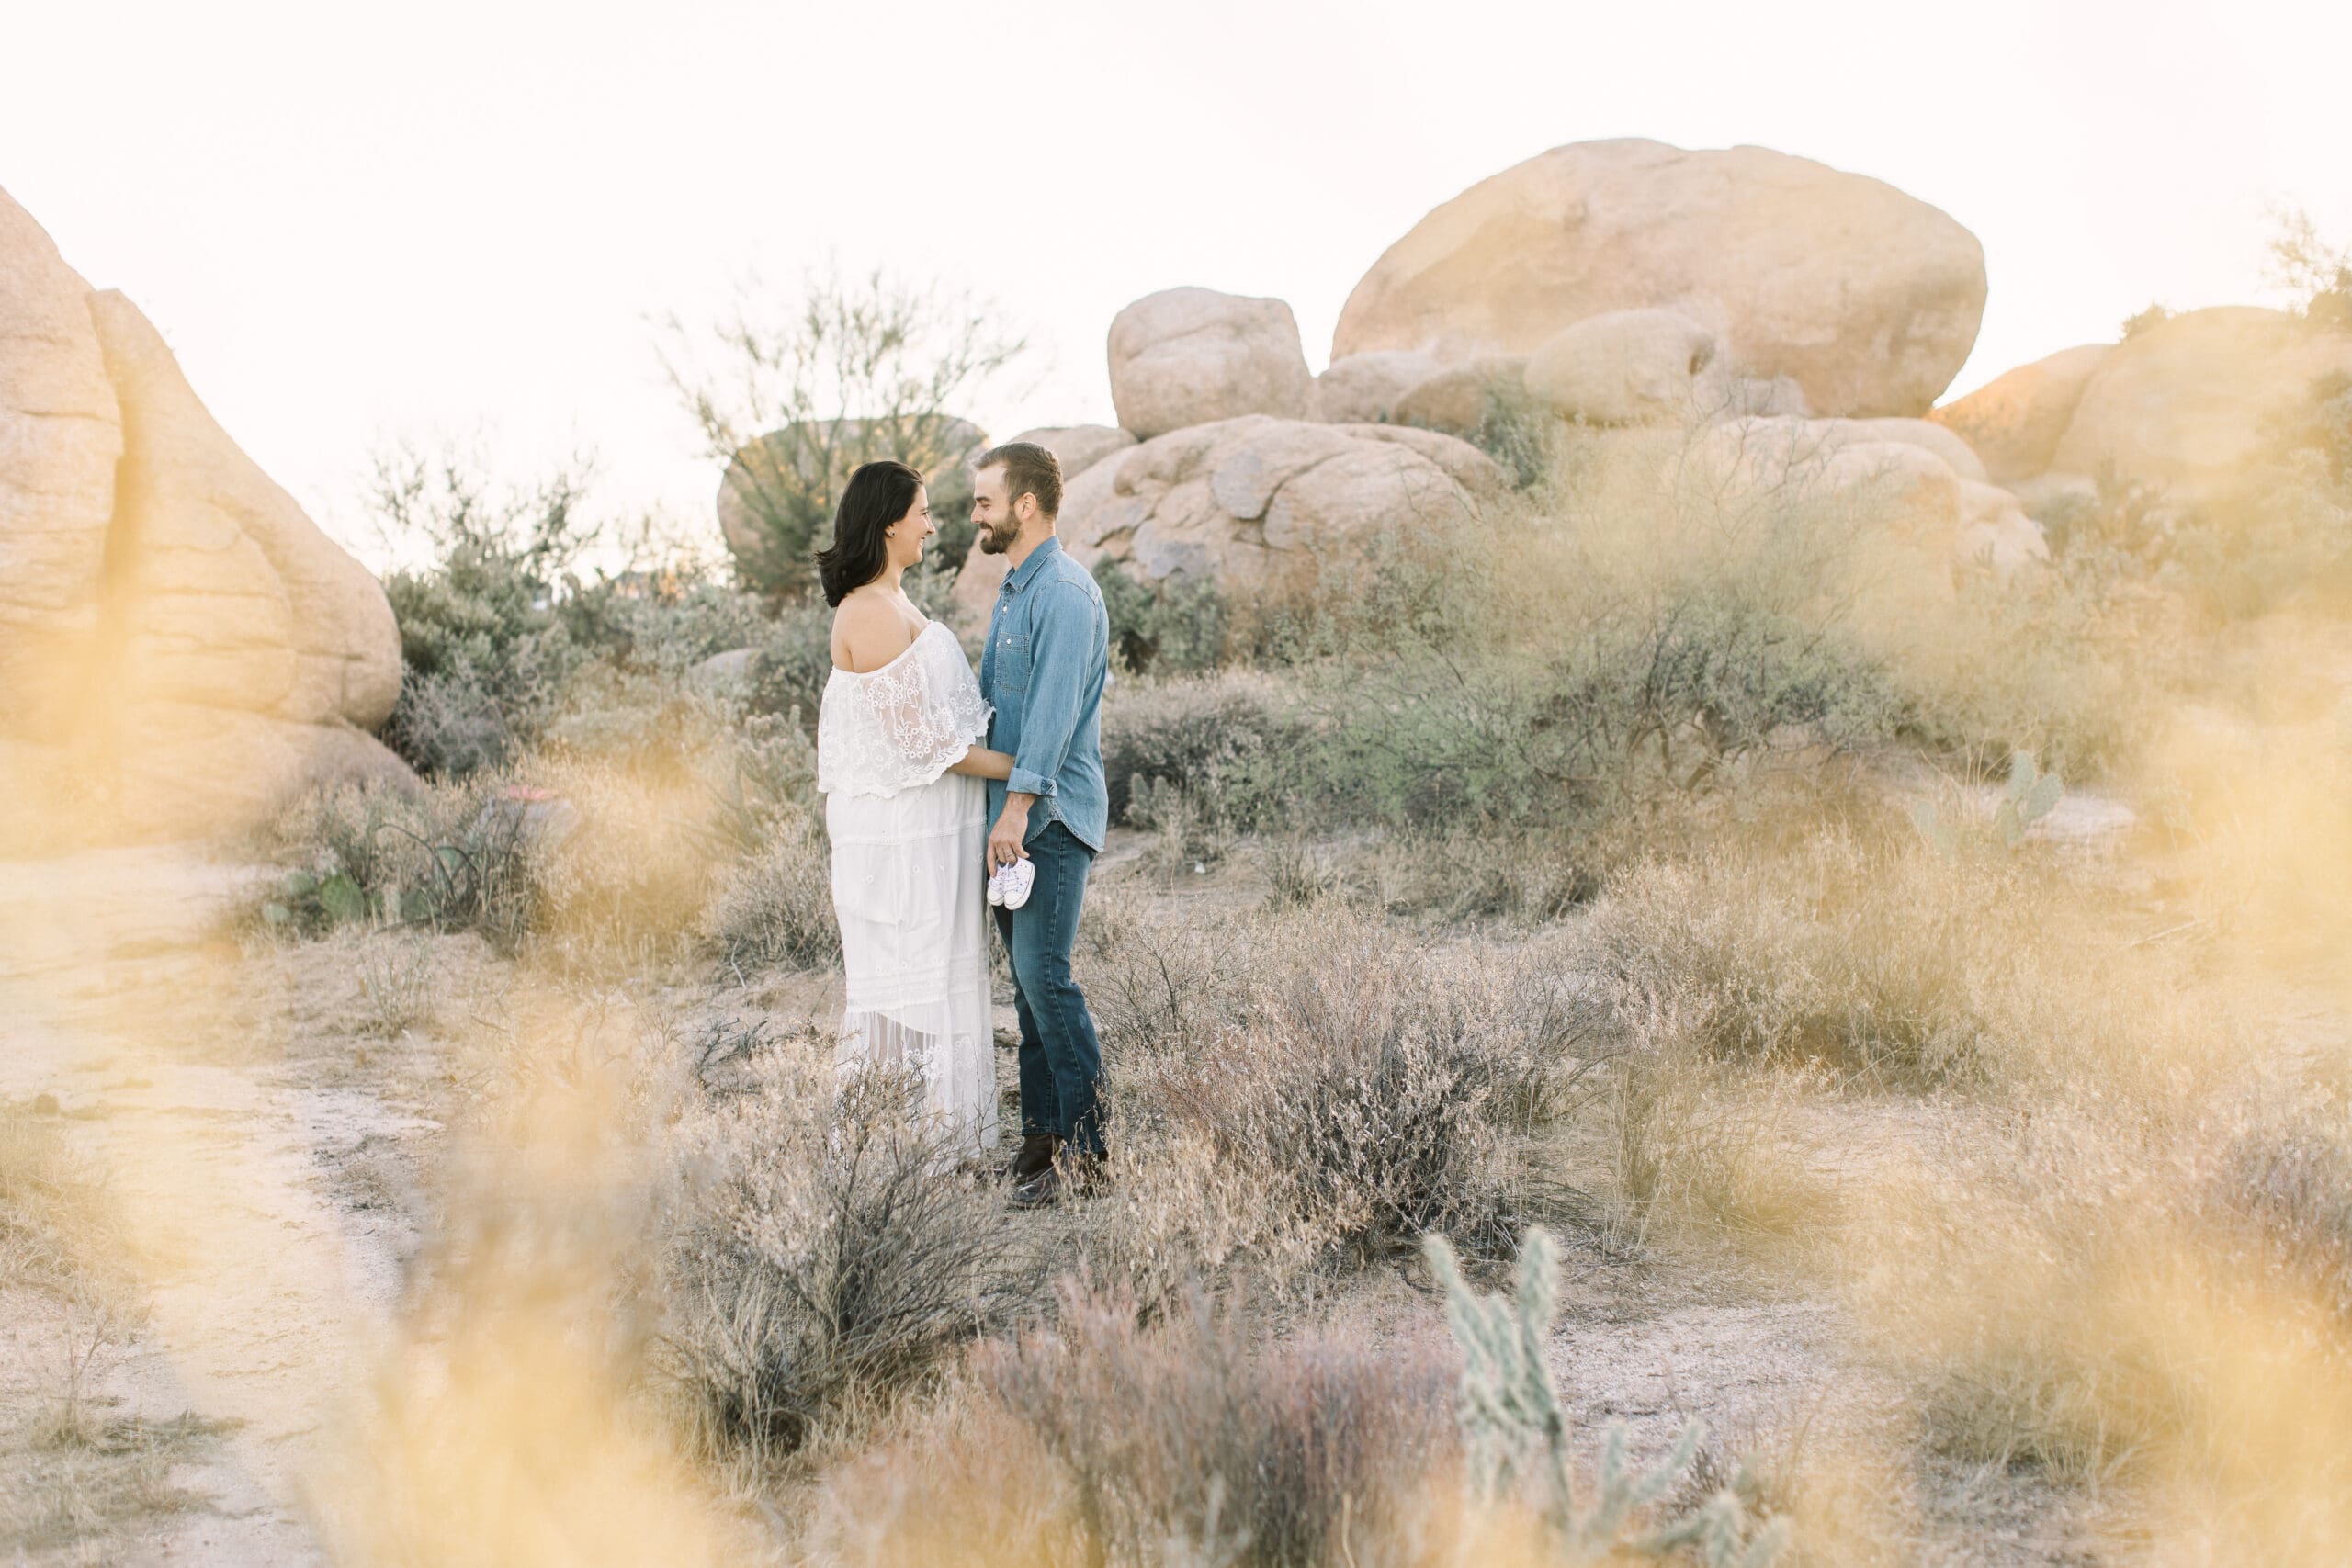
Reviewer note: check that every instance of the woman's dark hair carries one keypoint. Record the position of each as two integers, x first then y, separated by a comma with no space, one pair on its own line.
878,495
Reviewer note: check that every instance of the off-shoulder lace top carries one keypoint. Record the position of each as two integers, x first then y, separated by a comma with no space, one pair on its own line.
902,725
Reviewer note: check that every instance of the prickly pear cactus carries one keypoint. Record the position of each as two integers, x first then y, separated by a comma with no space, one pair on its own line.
2029,797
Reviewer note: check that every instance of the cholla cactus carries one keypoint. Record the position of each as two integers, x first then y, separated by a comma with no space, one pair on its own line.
1508,1401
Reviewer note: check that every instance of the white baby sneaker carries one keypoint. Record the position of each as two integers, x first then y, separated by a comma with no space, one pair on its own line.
1009,888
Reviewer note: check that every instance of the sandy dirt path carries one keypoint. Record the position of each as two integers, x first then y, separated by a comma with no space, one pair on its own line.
118,997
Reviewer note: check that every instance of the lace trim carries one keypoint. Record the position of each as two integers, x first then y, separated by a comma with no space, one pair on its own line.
900,726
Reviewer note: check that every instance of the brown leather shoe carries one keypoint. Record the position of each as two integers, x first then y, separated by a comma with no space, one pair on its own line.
1041,1191
1037,1151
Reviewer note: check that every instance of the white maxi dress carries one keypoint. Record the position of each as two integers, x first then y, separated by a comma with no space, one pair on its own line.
910,884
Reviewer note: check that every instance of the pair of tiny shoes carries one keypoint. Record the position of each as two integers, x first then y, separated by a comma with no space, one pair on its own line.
1009,888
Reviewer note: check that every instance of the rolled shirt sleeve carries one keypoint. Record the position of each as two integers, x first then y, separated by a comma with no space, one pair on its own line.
1061,637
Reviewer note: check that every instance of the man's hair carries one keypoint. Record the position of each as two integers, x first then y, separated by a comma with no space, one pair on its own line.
1029,469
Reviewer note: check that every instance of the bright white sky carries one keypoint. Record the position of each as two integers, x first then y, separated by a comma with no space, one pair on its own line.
458,215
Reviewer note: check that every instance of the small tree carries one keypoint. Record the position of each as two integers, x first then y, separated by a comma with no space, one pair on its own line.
794,397
2317,273
483,646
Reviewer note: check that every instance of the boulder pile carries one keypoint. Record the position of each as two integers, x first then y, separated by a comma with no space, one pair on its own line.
175,635
1768,303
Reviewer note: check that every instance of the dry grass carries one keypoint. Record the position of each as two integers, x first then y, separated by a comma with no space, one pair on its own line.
1197,1440
58,1230
2075,1290
1294,1094
775,907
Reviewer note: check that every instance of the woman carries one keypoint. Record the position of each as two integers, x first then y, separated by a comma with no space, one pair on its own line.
901,769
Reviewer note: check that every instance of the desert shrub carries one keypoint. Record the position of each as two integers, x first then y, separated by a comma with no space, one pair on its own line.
1690,1150
1197,1437
1520,431
601,860
1219,737
827,1250
2289,1177
485,654
794,661
635,871
456,857
2317,273
1295,1094
775,907
1617,639
1901,964
1652,703
1177,626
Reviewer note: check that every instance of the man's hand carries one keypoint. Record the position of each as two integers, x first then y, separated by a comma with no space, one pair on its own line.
1012,828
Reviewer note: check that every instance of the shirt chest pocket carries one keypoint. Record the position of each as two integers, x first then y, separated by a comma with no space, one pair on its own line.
1012,662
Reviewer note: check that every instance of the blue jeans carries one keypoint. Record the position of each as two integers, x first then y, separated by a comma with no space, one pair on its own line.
1061,1060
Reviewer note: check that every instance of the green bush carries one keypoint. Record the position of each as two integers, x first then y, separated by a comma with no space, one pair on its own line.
1658,698
1177,626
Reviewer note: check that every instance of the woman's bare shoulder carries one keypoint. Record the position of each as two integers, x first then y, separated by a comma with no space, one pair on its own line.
868,632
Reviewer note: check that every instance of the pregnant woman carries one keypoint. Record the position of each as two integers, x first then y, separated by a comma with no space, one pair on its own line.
900,767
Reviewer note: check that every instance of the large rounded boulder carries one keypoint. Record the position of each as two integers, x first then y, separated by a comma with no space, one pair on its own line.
1867,298
1188,356
177,636
1631,367
1901,481
2014,421
2187,403
1364,388
251,655
1257,505
61,438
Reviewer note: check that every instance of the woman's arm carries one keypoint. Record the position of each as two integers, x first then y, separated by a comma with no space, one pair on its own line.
979,762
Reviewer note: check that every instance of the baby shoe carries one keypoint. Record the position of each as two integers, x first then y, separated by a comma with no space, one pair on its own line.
1016,879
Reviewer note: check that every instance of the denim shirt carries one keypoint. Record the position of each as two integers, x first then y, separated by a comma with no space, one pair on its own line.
1047,659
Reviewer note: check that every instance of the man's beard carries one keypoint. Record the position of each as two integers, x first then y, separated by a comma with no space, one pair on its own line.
992,543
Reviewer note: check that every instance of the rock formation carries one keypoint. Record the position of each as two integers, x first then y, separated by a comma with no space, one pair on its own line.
1253,504
2184,403
2014,421
1455,401
1190,356
61,435
1866,297
218,652
1364,388
1902,479
1631,367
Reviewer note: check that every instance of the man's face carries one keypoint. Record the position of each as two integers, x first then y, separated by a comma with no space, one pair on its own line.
992,512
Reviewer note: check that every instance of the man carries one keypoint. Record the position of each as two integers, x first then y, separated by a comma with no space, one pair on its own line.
1047,657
